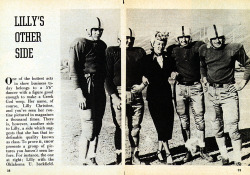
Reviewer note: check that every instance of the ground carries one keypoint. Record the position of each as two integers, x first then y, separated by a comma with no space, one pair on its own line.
148,136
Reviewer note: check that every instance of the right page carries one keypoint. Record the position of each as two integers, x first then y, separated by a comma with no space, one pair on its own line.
187,68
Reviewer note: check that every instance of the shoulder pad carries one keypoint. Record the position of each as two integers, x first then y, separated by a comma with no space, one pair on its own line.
78,41
112,49
140,50
171,47
102,42
203,49
234,46
198,43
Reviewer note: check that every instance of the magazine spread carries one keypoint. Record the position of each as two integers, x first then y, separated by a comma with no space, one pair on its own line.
124,87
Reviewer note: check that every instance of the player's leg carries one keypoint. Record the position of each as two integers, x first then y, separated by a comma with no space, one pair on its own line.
198,108
86,134
136,119
231,120
182,109
116,115
98,108
217,123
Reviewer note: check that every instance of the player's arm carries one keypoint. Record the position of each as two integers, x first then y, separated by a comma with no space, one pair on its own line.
137,88
243,59
203,68
77,76
109,83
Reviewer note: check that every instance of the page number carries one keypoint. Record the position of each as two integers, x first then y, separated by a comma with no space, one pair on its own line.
8,170
239,170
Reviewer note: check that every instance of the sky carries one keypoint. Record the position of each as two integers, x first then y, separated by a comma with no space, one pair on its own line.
145,22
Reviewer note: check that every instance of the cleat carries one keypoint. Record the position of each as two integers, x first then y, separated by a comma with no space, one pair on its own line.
187,157
93,161
204,155
118,159
135,159
237,163
224,161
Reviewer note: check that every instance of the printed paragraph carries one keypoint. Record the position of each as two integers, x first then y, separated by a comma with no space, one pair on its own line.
29,121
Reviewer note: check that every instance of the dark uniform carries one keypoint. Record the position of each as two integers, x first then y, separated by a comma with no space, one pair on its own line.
113,86
188,88
134,104
218,65
88,72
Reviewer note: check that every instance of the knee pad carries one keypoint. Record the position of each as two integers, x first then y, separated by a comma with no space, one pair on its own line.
218,133
135,132
184,122
185,125
87,124
200,126
85,115
180,109
88,130
235,136
218,128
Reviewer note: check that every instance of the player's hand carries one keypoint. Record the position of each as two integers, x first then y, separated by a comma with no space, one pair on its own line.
237,86
173,75
81,100
137,88
204,83
128,97
145,80
116,101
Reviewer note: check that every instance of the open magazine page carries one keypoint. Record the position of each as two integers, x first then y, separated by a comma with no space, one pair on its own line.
193,19
39,111
85,90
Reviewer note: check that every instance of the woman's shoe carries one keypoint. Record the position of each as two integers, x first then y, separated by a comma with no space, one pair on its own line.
159,155
169,159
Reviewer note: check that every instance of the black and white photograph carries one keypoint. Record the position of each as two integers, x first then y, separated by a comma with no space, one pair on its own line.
125,87
90,63
187,74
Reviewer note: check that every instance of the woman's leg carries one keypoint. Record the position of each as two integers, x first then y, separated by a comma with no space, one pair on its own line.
168,154
159,155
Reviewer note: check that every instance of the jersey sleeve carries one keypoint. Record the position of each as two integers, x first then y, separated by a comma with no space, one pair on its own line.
243,59
141,62
203,65
171,55
198,44
75,63
109,83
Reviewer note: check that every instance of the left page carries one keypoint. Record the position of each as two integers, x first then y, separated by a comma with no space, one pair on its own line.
40,123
